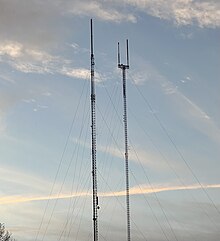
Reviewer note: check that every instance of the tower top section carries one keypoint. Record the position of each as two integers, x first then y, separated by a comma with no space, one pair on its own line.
120,65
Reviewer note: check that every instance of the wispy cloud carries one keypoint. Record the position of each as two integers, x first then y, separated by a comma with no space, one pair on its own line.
32,60
182,12
44,17
193,113
137,155
26,59
190,111
102,10
23,180
197,110
136,190
144,72
81,73
145,189
22,199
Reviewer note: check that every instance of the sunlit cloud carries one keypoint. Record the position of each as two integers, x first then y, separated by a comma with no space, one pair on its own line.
12,49
81,73
78,73
136,190
146,189
103,11
26,59
26,67
22,199
15,50
182,12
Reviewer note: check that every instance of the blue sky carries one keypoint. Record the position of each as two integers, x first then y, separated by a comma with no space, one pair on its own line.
173,118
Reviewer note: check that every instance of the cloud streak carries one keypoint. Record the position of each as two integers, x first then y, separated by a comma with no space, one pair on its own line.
146,189
191,111
23,180
22,199
136,190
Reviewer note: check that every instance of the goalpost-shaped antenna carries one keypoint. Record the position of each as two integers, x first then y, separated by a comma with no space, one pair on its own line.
121,66
124,67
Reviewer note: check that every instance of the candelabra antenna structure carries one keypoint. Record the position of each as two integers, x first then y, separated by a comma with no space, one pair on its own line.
124,67
93,142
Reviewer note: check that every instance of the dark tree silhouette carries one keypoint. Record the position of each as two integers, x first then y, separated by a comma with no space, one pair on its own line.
4,234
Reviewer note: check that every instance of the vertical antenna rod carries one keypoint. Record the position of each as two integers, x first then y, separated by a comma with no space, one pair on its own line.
119,61
93,126
123,67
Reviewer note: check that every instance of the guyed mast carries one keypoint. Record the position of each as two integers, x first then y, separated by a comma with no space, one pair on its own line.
124,67
93,142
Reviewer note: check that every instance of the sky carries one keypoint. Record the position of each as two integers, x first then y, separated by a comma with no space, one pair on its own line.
173,119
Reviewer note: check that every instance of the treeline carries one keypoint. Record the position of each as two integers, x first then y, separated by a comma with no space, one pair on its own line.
5,235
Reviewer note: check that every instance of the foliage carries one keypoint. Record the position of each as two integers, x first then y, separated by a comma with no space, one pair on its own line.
4,234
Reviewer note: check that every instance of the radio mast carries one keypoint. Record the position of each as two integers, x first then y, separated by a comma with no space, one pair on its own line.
124,67
93,143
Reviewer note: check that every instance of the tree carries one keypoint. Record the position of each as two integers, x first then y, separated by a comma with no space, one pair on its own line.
4,234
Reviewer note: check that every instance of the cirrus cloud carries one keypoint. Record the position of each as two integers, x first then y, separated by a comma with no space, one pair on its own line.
136,190
33,60
104,11
205,13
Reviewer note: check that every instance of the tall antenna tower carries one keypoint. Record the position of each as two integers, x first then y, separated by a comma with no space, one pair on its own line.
124,67
93,144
